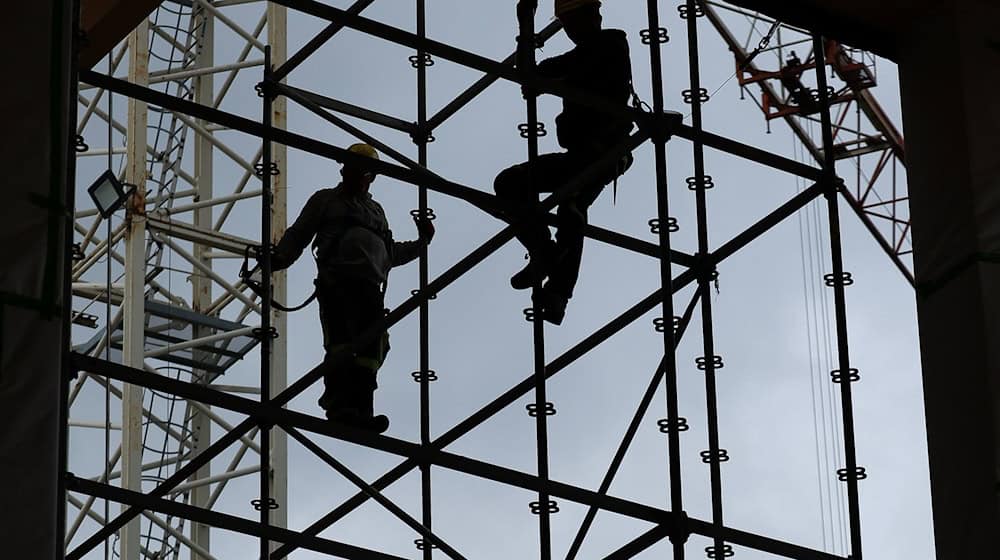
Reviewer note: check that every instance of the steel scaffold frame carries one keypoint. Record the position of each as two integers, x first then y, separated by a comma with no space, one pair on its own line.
264,415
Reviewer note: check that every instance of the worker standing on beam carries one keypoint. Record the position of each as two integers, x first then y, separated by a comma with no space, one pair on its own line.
354,251
599,65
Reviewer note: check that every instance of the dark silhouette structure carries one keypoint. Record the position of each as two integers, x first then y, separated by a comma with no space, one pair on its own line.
954,190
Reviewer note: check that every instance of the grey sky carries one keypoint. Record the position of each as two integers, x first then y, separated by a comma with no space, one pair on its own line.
481,345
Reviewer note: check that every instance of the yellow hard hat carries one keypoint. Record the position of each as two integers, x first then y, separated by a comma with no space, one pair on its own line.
563,6
363,150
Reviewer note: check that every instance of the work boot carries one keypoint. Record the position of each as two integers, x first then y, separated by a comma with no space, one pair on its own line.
357,419
537,269
553,305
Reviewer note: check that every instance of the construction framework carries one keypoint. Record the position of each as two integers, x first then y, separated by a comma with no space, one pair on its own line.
268,417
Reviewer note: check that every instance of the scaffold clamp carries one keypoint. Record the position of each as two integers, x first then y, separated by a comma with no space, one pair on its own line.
718,456
551,507
852,376
423,544
548,409
684,13
679,425
844,475
726,551
648,36
259,504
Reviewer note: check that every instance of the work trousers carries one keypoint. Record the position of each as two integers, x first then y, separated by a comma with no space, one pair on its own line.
347,308
521,185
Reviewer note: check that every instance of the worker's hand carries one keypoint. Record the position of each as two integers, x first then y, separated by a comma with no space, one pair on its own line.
526,9
425,227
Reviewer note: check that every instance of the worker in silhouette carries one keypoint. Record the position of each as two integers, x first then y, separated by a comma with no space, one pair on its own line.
354,251
599,65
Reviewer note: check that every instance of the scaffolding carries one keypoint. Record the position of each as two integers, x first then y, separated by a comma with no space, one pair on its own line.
200,346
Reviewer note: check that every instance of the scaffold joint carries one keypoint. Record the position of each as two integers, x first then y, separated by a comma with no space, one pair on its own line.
694,184
704,267
667,427
551,507
422,59
852,376
271,169
421,376
648,36
80,146
423,544
261,334
684,13
525,130
548,409
421,135
703,361
259,504
844,475
726,551
427,213
416,293
264,88
672,225
719,456
832,280
689,96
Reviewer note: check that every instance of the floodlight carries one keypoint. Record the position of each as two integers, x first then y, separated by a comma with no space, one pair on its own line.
108,194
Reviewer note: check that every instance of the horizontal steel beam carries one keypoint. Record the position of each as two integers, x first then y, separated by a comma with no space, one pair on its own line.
177,229
675,524
221,520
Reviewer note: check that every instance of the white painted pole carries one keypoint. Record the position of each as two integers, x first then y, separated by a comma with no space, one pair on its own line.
135,272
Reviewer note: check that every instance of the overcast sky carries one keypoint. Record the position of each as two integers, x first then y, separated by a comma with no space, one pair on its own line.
769,318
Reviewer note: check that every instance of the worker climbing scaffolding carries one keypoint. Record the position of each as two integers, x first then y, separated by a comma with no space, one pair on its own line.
599,65
354,251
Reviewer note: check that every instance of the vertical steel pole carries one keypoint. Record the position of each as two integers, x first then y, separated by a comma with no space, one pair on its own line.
277,39
201,285
421,138
709,362
526,63
71,107
135,273
838,280
264,501
674,424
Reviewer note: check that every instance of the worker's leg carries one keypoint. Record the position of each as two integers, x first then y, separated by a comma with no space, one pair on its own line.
569,238
514,185
521,185
369,309
336,339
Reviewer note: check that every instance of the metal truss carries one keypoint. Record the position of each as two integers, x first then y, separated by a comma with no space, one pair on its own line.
868,146
177,407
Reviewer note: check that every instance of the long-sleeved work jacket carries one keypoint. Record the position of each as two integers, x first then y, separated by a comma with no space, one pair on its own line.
350,237
600,66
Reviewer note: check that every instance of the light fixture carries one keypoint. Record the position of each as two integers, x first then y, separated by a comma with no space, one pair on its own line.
108,193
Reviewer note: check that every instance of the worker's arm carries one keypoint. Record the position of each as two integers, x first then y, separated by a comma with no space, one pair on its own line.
558,67
298,236
406,251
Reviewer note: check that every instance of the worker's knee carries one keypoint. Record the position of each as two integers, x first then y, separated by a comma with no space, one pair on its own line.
507,183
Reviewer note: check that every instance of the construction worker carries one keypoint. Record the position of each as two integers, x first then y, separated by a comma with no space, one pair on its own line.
599,65
354,251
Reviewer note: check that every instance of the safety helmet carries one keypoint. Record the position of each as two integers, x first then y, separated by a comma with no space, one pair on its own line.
564,6
362,149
